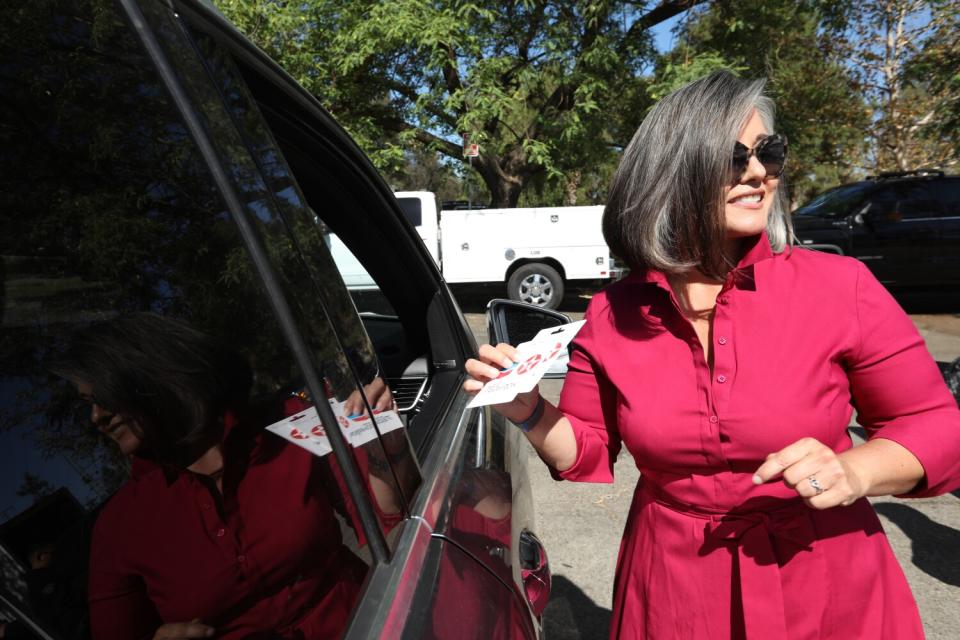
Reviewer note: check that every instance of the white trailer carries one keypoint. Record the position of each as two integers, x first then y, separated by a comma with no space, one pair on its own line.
534,251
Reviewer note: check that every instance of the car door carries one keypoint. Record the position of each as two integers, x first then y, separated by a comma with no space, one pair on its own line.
474,501
898,235
947,258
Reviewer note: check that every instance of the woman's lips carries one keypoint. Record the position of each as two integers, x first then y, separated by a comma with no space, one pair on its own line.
755,202
114,430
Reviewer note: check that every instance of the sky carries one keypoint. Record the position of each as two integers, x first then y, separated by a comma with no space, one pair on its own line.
662,36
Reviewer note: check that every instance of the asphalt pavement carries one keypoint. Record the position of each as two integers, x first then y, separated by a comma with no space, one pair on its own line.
581,524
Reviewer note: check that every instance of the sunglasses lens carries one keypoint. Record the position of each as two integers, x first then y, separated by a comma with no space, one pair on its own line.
772,154
741,156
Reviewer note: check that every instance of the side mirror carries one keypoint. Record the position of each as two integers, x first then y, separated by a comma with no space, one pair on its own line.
859,219
535,571
515,322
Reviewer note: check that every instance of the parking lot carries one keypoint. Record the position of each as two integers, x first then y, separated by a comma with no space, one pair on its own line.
580,524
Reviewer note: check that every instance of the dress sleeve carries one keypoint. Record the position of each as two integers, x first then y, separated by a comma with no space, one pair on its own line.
119,604
589,402
898,390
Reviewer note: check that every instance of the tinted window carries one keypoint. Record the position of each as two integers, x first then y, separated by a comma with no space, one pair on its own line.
947,192
836,202
905,201
411,209
314,284
134,322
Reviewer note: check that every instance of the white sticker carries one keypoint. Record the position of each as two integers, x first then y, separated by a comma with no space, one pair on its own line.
536,357
304,428
358,428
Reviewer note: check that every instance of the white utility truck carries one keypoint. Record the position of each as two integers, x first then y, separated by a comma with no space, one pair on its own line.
535,251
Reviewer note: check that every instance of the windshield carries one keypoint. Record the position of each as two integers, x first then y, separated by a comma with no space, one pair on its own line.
836,202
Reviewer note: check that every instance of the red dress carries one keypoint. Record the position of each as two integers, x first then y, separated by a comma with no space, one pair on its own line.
266,562
799,339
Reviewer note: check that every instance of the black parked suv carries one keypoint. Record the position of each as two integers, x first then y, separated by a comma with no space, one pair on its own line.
905,226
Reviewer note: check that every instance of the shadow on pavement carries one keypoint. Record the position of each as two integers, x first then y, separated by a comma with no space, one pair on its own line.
936,548
572,615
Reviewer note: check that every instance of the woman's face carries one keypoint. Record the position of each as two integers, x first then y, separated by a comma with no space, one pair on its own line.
748,199
119,428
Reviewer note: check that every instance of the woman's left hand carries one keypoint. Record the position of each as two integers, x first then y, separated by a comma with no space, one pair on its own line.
821,477
378,395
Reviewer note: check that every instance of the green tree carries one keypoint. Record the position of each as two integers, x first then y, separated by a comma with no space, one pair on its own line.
531,81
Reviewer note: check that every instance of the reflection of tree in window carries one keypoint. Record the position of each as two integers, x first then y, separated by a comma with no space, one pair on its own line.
290,231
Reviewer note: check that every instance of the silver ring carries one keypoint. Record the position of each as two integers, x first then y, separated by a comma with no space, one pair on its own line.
815,484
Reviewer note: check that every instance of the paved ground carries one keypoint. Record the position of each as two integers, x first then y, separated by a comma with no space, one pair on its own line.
580,524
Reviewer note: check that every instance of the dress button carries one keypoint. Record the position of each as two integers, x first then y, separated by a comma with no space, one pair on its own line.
721,379
205,505
722,300
722,339
221,532
241,558
714,419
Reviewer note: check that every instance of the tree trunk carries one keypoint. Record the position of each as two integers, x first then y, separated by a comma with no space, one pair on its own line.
570,187
505,178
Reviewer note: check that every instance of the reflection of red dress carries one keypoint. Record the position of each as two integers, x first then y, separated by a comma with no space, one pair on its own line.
705,553
271,565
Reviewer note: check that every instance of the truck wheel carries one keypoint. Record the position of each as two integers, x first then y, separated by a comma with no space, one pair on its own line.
536,283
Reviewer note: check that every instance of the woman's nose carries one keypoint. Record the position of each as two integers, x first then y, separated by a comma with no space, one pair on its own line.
98,415
754,171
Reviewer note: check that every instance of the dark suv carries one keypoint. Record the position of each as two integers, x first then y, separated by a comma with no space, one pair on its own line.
904,226
157,168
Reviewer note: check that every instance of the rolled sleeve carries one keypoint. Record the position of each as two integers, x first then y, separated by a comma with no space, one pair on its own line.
589,402
898,390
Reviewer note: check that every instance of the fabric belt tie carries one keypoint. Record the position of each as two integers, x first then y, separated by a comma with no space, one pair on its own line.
753,533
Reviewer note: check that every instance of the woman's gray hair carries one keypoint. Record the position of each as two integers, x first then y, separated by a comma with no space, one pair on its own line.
665,209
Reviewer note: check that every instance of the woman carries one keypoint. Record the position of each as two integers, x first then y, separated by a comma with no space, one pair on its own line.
728,364
221,531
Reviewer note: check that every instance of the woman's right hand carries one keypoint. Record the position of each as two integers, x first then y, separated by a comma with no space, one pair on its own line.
181,630
488,367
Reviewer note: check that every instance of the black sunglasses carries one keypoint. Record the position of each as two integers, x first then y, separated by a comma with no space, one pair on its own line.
771,151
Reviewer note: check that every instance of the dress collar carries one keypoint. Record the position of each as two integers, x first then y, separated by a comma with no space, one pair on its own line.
741,276
140,466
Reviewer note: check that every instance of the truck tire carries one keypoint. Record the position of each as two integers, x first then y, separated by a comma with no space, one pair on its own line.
536,283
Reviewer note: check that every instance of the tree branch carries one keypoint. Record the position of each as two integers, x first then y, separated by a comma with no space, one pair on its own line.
451,75
410,94
424,137
660,13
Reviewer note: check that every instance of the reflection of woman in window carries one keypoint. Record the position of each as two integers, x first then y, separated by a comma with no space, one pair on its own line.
219,530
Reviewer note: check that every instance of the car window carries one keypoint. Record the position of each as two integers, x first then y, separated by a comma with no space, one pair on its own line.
137,337
411,208
836,202
947,192
331,202
905,201
317,284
